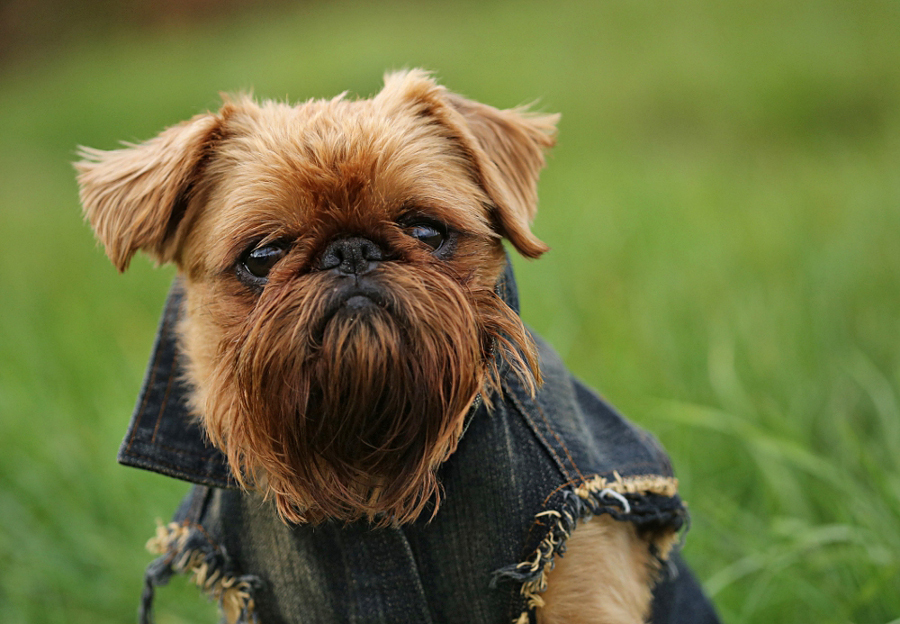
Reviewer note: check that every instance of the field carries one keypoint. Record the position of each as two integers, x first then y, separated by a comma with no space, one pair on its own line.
723,208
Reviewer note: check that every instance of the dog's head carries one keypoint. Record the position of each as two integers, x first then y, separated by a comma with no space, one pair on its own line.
340,259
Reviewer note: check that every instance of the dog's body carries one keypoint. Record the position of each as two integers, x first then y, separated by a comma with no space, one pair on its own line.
346,318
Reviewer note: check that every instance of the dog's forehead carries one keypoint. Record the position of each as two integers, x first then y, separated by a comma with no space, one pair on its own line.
325,144
321,150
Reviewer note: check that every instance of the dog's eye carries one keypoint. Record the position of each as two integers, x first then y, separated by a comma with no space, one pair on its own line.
260,261
427,233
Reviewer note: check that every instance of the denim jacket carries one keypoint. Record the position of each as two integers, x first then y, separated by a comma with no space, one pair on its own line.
524,475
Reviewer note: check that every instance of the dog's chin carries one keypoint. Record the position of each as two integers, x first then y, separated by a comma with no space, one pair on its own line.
344,401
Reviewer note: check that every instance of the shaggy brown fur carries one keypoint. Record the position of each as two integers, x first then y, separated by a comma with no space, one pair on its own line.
614,558
339,260
334,411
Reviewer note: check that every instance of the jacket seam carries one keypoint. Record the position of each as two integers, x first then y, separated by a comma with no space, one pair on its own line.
165,401
534,428
558,439
565,449
171,450
140,413
180,470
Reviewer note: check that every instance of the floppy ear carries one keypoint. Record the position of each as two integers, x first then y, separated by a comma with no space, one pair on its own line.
135,197
506,149
509,155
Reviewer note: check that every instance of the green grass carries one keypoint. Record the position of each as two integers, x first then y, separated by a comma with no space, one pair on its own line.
723,212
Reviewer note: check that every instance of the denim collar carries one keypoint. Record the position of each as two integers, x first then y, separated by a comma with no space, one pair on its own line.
163,436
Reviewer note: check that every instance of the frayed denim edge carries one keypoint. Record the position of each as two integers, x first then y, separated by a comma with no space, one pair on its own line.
651,502
186,549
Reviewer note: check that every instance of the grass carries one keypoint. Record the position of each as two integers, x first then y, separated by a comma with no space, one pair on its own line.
723,212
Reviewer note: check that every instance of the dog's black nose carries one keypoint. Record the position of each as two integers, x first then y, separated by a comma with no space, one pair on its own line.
354,255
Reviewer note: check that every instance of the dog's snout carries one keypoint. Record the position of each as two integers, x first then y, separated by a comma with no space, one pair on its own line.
354,255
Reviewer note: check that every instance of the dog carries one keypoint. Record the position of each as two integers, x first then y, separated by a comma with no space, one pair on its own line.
349,354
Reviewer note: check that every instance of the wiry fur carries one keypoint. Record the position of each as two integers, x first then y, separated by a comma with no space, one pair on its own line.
333,411
351,417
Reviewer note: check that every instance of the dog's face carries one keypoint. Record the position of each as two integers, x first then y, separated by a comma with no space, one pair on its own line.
339,259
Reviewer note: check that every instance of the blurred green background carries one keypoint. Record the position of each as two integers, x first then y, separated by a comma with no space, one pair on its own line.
723,211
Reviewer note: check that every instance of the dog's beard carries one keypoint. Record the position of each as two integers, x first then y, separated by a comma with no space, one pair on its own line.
345,408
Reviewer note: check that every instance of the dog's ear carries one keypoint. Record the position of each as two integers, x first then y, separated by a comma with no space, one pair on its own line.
509,155
135,197
505,147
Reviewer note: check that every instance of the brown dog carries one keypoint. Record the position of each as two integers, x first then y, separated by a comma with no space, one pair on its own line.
340,261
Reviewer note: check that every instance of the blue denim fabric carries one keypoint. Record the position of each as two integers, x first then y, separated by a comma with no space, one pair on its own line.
524,474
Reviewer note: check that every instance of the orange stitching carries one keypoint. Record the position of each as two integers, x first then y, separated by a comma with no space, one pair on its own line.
202,530
555,435
539,522
558,439
565,485
165,400
534,428
140,413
